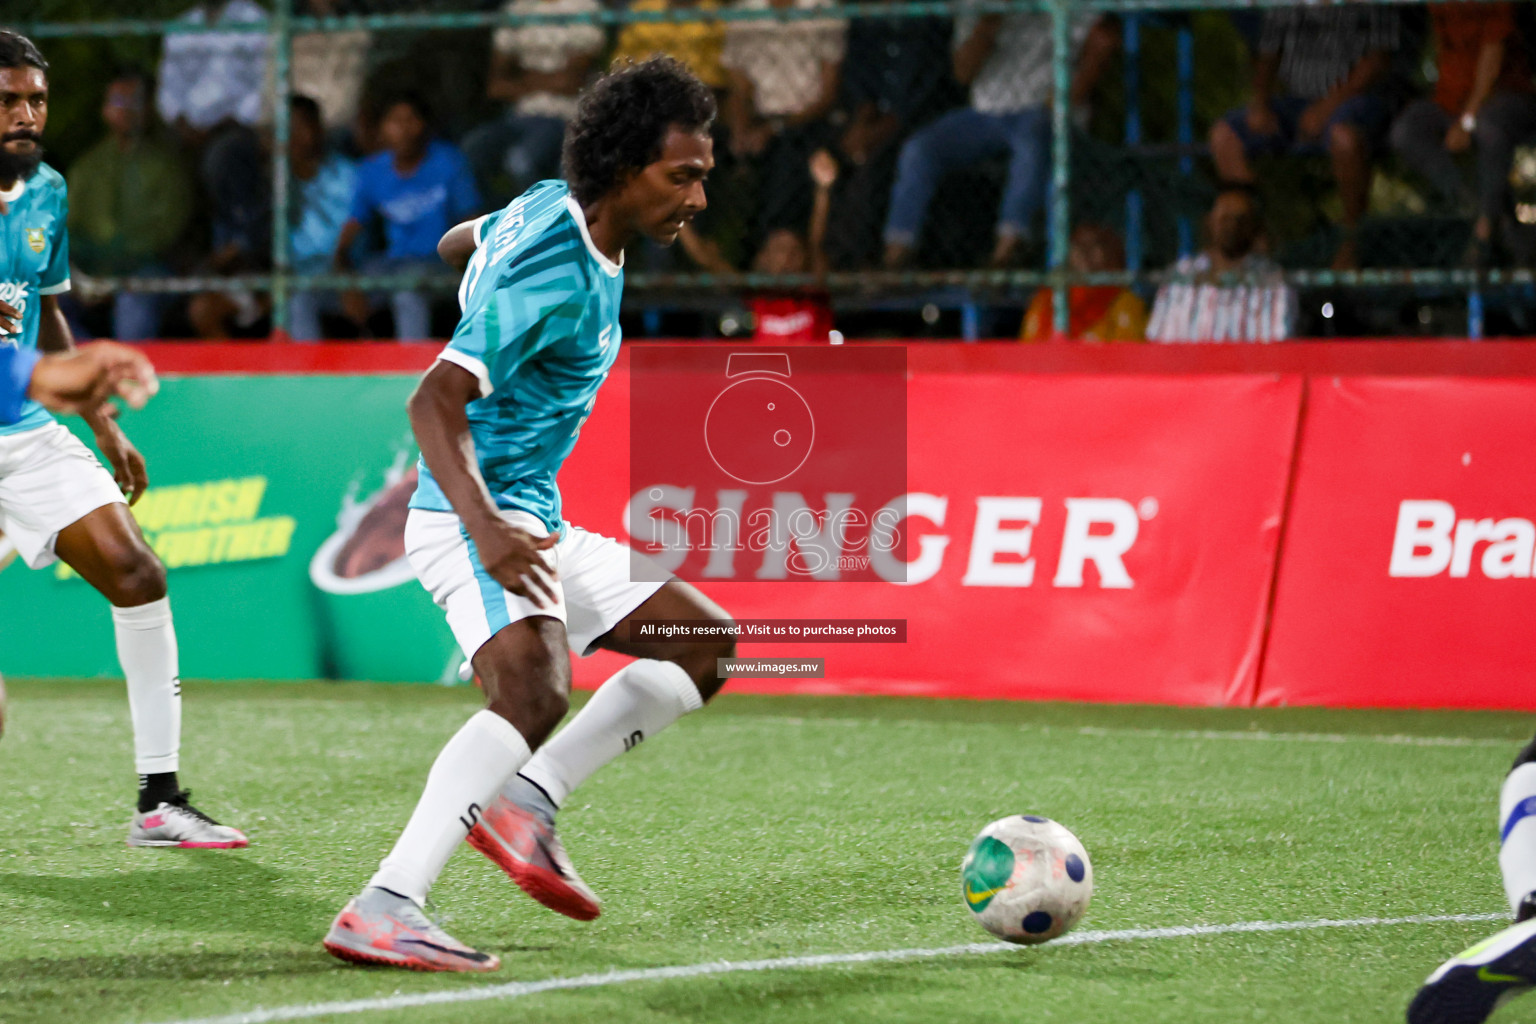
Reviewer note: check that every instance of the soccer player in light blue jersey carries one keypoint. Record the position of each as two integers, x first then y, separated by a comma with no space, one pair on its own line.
495,417
57,502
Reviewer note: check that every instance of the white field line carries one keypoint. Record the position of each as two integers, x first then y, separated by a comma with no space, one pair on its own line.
1304,737
518,989
1400,740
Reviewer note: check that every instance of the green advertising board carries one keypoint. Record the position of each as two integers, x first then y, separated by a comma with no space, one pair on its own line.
278,507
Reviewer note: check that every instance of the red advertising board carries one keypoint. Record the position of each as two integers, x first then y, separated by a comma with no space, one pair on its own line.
1075,537
1406,578
1337,524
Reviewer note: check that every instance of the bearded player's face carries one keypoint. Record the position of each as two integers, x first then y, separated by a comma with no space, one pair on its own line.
669,192
23,113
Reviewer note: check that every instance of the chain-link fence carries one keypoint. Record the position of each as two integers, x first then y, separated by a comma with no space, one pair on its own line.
956,166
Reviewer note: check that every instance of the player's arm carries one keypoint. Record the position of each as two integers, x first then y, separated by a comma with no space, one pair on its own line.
91,374
458,244
704,251
128,467
440,422
824,169
341,256
972,55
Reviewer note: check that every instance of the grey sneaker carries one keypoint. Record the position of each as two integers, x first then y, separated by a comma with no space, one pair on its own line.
379,927
523,845
177,823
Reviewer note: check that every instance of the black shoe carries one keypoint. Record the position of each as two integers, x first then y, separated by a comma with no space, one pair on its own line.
1527,908
1471,985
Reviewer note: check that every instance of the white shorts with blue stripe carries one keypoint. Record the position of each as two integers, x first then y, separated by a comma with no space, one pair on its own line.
593,580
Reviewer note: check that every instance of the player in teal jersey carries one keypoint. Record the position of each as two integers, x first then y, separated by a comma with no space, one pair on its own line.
56,500
495,417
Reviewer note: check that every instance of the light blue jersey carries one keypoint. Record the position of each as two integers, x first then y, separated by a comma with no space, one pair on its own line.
540,330
34,261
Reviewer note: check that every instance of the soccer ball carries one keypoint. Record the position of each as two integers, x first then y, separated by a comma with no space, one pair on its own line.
1027,879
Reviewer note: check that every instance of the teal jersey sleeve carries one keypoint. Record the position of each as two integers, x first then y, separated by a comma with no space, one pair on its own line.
529,309
55,276
520,293
539,332
485,225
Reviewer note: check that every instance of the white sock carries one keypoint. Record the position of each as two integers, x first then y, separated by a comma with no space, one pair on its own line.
1517,834
481,756
146,649
636,702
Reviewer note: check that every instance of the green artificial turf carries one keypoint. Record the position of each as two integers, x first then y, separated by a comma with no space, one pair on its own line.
759,828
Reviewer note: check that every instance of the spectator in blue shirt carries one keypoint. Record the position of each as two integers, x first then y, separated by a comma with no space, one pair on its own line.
419,186
324,185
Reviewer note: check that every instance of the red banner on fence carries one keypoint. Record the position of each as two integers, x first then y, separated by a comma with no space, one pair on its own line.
1406,578
1073,537
1101,523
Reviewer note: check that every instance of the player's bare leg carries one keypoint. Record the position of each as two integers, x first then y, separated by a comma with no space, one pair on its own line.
668,680
109,552
525,672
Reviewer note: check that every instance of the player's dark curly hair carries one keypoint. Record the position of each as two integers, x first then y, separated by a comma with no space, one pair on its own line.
17,51
623,119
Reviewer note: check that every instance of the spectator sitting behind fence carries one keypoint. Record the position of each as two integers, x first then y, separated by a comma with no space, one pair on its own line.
210,91
324,182
895,76
419,186
697,44
1096,312
1315,90
784,77
780,317
130,201
1482,97
1229,292
329,67
536,70
1006,61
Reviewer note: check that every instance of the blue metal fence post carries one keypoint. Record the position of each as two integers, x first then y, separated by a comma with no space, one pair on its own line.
1061,142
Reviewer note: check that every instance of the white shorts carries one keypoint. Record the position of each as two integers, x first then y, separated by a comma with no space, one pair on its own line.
48,480
594,587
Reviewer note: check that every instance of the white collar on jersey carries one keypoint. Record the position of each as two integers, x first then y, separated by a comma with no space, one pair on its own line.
21,186
609,267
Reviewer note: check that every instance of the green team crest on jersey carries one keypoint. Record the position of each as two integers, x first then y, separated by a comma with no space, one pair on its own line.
985,871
